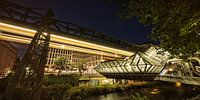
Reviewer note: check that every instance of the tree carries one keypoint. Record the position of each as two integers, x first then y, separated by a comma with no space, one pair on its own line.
61,63
80,65
176,23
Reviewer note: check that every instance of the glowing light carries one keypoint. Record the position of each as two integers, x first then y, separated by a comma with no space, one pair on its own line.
8,71
170,69
56,70
178,84
62,46
30,32
27,68
17,27
163,72
64,71
45,33
50,69
54,45
106,81
155,91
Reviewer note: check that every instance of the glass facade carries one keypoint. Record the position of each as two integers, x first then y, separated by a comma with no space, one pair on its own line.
141,65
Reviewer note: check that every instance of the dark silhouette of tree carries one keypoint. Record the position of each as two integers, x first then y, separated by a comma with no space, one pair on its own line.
176,23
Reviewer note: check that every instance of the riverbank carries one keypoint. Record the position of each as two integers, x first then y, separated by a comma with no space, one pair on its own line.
160,91
80,93
66,88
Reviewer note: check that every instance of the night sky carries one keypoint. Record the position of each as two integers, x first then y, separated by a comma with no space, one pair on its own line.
99,15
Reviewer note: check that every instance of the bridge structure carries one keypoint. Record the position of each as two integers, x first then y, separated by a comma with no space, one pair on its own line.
177,70
38,28
144,65
153,64
19,24
41,30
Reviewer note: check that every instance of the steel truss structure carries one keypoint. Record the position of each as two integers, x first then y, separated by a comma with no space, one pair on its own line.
26,83
32,17
142,66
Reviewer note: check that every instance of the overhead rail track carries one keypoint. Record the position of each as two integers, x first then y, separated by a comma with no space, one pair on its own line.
32,18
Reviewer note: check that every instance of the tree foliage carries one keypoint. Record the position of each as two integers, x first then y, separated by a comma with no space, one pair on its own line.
62,63
80,65
176,23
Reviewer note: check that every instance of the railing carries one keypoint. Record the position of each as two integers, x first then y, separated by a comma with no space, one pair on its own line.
182,79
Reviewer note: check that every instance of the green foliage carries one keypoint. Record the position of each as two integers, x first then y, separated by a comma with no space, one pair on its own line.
56,87
175,22
82,92
56,91
138,96
62,63
70,79
80,65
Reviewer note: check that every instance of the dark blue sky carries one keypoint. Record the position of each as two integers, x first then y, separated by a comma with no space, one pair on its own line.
99,15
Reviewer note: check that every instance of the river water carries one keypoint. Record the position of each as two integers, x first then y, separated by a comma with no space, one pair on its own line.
161,93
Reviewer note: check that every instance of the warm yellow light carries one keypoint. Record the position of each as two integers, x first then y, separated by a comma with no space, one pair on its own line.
170,69
14,38
62,46
17,27
89,45
155,91
55,45
8,71
27,68
178,84
30,32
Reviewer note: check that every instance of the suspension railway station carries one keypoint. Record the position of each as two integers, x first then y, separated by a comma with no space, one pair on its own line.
109,56
19,24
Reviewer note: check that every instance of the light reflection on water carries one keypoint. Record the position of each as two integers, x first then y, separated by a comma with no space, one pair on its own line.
111,96
166,93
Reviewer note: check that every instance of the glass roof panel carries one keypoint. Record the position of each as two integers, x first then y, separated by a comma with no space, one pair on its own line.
151,69
141,61
148,67
142,67
135,60
135,69
128,67
120,69
115,69
111,64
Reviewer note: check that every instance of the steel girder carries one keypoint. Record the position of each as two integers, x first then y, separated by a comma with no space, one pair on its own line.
32,17
26,83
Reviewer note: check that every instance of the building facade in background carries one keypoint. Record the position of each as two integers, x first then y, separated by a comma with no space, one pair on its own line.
8,55
91,60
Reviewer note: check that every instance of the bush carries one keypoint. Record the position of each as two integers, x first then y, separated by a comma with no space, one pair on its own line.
138,96
56,87
55,91
51,79
4,82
